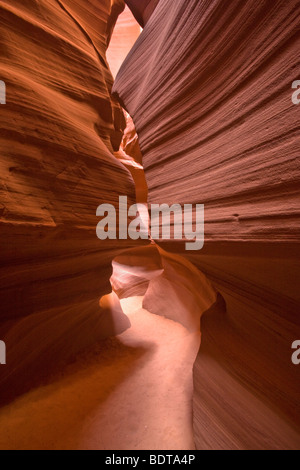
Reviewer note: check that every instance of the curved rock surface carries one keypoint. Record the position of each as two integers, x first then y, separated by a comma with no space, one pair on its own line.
142,9
172,287
208,85
59,131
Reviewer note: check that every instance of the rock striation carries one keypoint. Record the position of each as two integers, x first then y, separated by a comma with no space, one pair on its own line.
60,129
208,85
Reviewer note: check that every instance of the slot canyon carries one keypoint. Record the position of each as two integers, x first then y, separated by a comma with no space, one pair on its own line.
123,344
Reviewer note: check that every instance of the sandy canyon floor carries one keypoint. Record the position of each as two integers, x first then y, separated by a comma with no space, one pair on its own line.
132,392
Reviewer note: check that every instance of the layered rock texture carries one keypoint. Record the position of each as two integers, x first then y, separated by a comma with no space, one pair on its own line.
59,131
208,85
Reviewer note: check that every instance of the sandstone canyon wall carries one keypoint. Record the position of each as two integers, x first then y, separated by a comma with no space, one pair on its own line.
59,131
208,85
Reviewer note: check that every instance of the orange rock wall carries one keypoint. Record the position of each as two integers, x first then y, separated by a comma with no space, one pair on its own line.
59,131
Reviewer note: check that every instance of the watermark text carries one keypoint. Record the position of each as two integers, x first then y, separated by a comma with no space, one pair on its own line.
2,353
296,94
158,222
2,92
296,354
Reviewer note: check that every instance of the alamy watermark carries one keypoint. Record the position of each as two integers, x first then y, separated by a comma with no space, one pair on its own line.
296,94
296,354
156,222
2,92
2,352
